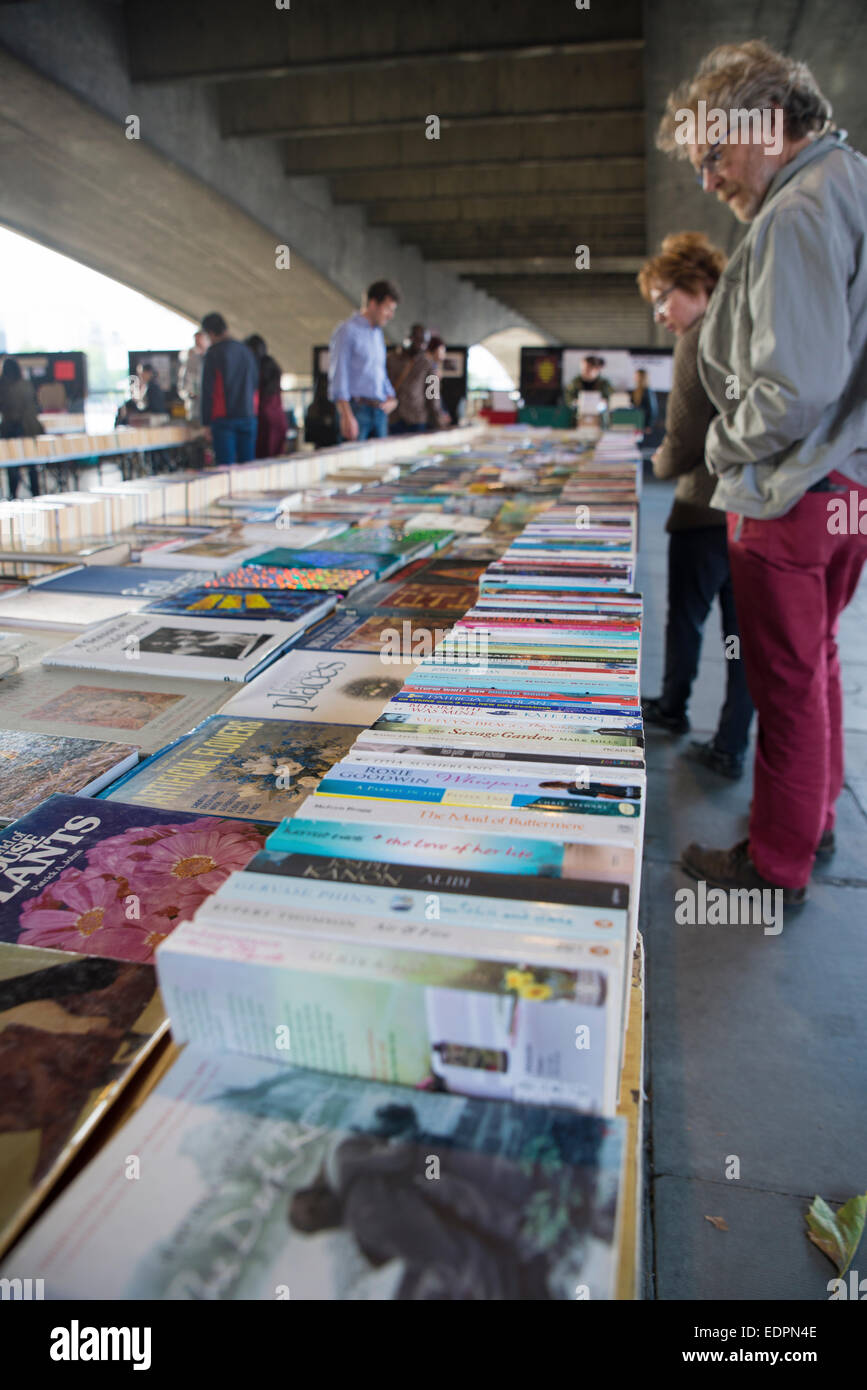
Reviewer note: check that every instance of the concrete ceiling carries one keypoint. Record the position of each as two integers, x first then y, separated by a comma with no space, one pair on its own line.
541,124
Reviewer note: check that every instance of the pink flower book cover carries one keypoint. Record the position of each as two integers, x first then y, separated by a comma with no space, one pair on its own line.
106,879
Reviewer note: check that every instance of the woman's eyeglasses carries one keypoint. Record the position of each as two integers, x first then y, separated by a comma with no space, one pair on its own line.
660,303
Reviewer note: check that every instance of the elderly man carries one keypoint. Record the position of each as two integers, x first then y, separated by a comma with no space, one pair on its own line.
783,357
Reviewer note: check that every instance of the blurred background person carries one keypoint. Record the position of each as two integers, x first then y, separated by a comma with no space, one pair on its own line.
418,406
153,395
590,378
321,425
271,417
190,377
20,420
644,399
678,282
230,387
358,380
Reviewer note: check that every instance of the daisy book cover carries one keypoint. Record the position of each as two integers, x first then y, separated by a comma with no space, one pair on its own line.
107,879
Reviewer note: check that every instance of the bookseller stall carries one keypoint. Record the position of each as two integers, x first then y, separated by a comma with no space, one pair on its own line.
326,814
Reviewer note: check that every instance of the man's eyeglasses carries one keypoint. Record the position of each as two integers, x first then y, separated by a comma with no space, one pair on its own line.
710,162
661,301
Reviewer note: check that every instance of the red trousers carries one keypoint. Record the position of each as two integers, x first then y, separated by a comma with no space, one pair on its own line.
792,578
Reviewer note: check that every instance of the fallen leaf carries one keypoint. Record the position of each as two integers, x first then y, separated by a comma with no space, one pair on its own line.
718,1221
837,1233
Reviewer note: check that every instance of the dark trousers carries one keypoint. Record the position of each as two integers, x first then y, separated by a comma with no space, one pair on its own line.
698,572
234,439
13,477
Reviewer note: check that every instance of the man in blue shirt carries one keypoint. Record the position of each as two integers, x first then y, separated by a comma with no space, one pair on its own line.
357,379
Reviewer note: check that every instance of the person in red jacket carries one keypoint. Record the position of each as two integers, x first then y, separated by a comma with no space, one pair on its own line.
271,428
230,390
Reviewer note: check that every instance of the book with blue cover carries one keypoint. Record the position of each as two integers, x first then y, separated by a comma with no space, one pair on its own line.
284,605
133,581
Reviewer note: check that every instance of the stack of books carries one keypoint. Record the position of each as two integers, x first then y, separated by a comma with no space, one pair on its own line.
388,876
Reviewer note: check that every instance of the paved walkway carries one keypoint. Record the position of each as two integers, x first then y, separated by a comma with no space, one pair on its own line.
756,1045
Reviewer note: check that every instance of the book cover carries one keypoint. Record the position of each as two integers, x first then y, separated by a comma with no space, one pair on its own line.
255,769
451,848
35,766
282,558
205,553
25,647
35,606
145,711
335,580
103,878
73,1030
127,581
424,875
273,883
501,1024
546,824
323,687
282,605
196,648
344,1190
401,597
413,635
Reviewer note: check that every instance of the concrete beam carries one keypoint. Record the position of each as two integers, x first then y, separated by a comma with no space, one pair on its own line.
487,267
575,139
613,207
501,89
578,177
210,39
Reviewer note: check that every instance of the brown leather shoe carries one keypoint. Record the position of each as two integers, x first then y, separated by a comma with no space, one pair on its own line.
733,868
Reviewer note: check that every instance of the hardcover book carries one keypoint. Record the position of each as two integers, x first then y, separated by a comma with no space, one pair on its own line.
334,580
35,766
200,648
256,769
344,1190
145,711
376,564
73,1030
413,635
323,687
126,581
282,605
36,607
105,879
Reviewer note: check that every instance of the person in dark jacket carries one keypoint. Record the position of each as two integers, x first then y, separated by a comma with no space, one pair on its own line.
321,423
679,282
20,419
154,395
271,426
230,390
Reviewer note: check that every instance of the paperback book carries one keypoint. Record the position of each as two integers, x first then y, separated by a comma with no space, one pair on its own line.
339,1202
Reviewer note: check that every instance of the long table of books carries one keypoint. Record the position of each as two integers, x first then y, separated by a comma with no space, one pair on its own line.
319,885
